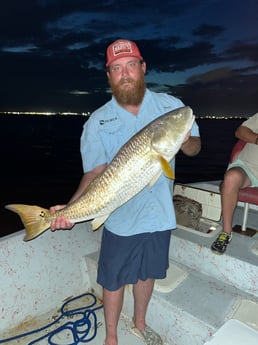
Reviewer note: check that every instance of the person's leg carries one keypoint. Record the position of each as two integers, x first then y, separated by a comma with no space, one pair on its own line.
131,260
142,292
112,302
154,263
234,180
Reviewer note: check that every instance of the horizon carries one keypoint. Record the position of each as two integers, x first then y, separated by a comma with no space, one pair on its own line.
87,114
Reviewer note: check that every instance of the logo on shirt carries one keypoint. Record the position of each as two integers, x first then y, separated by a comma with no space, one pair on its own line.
103,122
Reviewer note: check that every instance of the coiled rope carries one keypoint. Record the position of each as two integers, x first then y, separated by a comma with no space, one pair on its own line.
80,329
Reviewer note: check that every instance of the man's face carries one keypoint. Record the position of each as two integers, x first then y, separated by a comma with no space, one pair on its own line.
126,79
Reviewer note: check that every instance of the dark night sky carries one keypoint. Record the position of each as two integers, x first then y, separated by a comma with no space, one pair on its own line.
52,52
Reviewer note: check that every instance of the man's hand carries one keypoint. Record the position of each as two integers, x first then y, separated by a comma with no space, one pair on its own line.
191,146
61,222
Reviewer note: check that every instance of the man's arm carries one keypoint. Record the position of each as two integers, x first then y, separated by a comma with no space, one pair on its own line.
191,145
246,134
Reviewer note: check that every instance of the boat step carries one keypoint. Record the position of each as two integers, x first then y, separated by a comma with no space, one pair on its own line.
237,267
172,311
234,332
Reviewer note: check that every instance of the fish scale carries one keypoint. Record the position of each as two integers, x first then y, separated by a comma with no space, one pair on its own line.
137,164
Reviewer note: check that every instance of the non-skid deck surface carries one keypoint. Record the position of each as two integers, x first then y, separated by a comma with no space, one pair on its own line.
248,232
80,326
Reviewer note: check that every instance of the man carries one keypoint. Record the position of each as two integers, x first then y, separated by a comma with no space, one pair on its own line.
136,236
241,173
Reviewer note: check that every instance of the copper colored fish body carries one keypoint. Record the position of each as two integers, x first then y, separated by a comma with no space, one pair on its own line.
139,163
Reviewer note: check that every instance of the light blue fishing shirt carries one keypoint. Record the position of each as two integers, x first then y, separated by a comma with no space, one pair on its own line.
107,129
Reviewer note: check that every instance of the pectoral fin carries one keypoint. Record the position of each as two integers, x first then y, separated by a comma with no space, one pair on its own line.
155,179
97,222
167,170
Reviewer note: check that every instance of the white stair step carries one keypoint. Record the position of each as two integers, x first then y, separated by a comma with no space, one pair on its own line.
196,301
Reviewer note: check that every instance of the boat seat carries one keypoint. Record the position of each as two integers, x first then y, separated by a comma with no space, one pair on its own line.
248,195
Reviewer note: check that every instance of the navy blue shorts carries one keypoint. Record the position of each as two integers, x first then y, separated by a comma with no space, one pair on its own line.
125,259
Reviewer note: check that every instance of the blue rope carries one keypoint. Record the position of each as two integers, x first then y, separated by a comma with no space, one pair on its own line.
79,329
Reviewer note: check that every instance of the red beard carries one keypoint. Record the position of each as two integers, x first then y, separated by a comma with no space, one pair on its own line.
129,91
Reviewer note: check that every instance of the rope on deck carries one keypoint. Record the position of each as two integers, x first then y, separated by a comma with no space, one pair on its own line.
80,329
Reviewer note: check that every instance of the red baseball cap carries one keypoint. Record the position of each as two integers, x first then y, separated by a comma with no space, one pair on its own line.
122,48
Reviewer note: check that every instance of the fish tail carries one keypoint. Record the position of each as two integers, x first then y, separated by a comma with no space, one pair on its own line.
34,218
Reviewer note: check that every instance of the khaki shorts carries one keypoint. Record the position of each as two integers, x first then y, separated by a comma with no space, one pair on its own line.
238,163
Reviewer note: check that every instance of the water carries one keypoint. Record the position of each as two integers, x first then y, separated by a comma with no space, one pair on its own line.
41,161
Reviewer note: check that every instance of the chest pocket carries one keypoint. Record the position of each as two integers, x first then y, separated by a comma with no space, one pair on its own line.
113,136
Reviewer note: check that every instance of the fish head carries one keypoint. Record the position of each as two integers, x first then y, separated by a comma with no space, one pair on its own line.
170,131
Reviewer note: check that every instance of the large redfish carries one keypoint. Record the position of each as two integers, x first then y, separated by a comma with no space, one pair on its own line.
138,163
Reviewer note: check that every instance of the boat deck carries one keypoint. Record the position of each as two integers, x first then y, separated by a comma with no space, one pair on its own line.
201,293
82,325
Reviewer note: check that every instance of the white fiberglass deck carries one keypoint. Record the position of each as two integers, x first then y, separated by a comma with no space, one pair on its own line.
39,276
83,325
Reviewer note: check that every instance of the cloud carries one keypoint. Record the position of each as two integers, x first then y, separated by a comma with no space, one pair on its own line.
243,51
52,52
208,31
213,75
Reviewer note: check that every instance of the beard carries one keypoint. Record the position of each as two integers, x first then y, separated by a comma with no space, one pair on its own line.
130,94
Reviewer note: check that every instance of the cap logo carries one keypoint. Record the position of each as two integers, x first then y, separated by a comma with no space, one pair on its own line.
122,47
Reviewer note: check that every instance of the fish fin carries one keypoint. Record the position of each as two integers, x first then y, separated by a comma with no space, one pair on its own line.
155,179
166,168
97,222
34,219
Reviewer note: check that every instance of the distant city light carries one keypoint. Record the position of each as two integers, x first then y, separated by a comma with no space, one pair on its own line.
88,113
43,113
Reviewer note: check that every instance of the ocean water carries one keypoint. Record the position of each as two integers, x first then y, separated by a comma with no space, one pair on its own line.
41,163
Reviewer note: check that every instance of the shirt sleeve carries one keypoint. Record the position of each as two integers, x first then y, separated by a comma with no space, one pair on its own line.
93,152
195,130
252,123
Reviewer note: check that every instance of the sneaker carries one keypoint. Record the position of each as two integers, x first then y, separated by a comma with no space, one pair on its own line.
148,335
219,246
